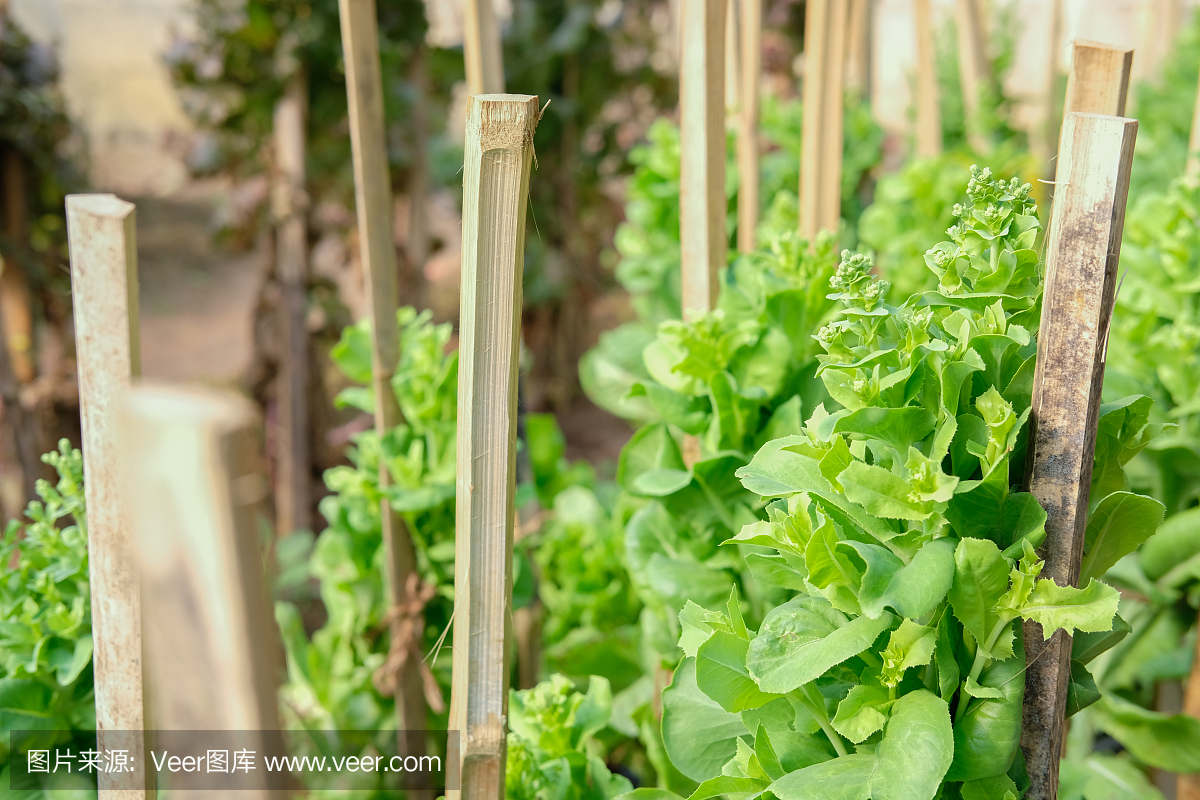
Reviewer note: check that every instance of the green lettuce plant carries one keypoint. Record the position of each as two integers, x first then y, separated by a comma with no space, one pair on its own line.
895,523
45,618
553,751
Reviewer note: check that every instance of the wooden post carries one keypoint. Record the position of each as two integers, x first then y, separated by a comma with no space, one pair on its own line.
1193,156
747,134
733,58
101,232
1084,244
1098,82
703,243
929,113
373,200
498,155
212,650
973,68
481,49
293,462
1187,785
821,159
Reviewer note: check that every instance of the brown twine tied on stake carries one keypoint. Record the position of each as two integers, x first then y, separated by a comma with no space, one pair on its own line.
405,620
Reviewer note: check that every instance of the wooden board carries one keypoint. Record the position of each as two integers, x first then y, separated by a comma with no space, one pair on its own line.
1082,252
703,242
373,200
929,114
101,232
498,155
750,25
481,48
213,653
293,457
973,67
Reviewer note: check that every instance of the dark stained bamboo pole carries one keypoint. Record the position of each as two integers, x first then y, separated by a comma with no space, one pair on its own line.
1094,157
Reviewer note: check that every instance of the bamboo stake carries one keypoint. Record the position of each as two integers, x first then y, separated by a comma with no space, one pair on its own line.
1098,82
1084,244
703,243
1193,157
929,113
18,419
1187,785
498,154
973,68
212,650
821,159
293,470
858,48
402,675
833,118
733,58
14,286
1045,140
481,48
747,135
101,231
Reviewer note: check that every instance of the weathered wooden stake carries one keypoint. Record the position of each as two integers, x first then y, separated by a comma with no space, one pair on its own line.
929,113
829,209
293,462
703,243
212,649
747,132
1094,157
733,57
498,155
101,232
1043,140
973,68
481,48
373,200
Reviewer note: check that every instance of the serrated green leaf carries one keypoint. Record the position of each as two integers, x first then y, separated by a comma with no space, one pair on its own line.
721,673
1057,607
911,589
880,492
910,645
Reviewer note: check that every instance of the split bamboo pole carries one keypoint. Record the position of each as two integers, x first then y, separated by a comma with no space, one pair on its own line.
1098,82
973,68
213,655
481,48
498,155
929,113
1193,156
1083,248
821,157
101,232
750,24
294,459
703,242
402,675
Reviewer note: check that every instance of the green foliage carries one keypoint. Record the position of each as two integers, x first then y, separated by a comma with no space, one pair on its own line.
893,670
552,750
648,241
45,611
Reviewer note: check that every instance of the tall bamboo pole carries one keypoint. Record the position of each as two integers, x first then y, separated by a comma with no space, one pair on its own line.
499,154
401,675
929,113
747,136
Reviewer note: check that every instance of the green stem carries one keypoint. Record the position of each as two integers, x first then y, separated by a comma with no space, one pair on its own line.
981,661
817,706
